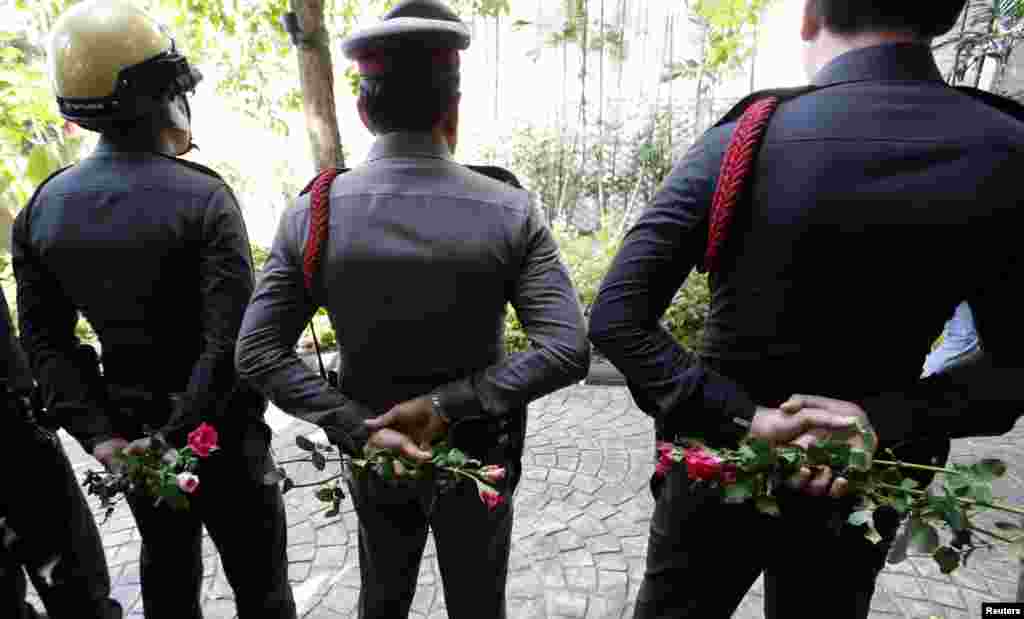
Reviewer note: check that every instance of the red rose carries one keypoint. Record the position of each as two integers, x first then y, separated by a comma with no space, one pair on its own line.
203,440
702,465
665,448
491,497
662,468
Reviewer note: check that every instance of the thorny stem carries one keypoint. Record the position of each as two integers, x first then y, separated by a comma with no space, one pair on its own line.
919,467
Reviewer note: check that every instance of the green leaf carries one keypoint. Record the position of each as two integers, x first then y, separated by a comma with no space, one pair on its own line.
319,461
982,493
861,518
923,536
859,459
304,443
456,458
901,503
739,492
948,559
768,505
909,484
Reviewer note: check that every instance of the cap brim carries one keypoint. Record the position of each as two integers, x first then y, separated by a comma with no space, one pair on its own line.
394,33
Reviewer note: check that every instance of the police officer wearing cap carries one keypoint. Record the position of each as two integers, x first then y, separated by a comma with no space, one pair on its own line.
46,528
421,257
819,288
153,251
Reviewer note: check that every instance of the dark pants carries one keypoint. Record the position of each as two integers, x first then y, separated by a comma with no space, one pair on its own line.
472,547
703,556
246,522
46,517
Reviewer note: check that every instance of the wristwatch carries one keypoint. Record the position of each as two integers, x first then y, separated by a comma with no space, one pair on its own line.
435,404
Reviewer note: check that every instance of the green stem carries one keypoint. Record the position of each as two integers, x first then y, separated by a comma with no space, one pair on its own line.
318,483
995,506
919,467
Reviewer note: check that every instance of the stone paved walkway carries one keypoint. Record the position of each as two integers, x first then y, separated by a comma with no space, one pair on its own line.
580,533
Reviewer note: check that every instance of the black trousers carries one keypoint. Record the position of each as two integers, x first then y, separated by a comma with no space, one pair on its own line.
472,548
703,556
246,522
46,517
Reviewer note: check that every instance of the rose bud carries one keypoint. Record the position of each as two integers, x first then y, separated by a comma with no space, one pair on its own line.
491,497
493,473
187,482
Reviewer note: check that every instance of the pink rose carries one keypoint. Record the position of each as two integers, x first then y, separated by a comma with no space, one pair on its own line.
665,448
203,440
71,130
729,474
493,473
188,482
491,497
702,465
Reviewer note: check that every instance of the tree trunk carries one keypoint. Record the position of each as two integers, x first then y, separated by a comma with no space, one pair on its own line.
497,62
317,80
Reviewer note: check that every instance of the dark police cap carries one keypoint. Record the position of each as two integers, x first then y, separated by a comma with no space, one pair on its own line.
412,24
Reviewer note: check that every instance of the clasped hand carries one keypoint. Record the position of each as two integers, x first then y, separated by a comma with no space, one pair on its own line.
410,428
803,420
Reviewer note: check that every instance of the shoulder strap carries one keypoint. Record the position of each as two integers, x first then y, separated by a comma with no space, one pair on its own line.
753,113
319,216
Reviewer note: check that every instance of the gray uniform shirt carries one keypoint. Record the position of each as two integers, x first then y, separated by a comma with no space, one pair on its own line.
422,257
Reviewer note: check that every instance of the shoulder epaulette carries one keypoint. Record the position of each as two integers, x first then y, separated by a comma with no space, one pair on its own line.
198,167
782,94
1003,104
497,173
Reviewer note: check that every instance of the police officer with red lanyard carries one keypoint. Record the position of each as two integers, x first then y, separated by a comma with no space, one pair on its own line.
824,281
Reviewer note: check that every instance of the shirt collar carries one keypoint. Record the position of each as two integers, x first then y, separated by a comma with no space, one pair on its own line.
407,144
887,62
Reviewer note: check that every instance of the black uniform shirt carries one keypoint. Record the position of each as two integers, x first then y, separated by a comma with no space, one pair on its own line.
879,202
155,254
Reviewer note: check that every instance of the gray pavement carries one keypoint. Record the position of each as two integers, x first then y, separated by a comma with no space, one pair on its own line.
580,533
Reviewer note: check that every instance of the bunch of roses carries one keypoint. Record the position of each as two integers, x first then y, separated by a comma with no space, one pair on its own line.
701,463
447,467
165,474
754,470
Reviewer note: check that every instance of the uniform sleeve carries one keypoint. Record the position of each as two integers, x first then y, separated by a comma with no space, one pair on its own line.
266,355
47,321
549,310
225,284
667,381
